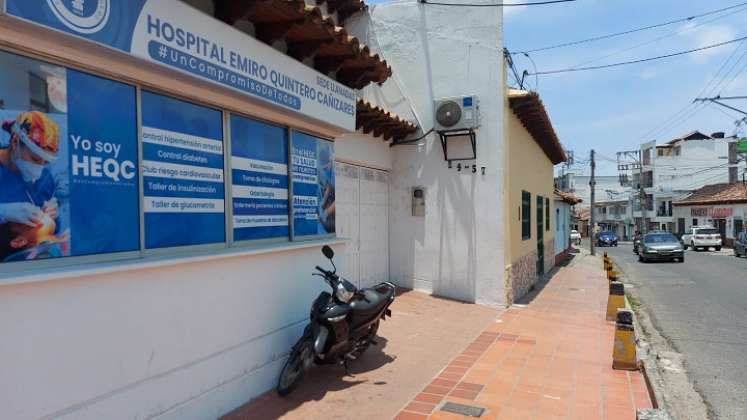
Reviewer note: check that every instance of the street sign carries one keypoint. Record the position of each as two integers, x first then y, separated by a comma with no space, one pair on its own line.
742,146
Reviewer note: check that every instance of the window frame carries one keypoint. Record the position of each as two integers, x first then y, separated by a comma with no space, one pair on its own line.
526,215
292,215
143,254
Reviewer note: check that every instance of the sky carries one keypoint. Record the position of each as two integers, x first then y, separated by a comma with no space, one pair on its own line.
619,108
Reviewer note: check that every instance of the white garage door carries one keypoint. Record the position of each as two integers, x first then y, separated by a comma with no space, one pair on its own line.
363,218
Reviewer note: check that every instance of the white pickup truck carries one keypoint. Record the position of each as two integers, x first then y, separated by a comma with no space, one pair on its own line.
702,237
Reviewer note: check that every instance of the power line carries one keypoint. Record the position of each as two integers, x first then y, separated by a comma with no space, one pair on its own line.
642,60
601,37
537,3
651,41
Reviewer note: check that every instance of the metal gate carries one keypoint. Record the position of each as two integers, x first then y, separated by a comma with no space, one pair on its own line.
363,218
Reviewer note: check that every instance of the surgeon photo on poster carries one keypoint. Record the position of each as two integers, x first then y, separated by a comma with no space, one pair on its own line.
34,205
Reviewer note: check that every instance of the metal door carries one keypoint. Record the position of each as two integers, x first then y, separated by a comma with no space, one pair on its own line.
374,210
348,217
364,220
540,236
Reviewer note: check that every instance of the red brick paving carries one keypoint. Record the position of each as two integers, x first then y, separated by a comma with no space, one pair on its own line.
550,359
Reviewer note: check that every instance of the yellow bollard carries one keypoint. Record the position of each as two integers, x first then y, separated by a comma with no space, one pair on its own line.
616,300
612,275
624,351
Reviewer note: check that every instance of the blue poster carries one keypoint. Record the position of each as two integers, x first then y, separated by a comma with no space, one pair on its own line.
182,173
174,34
104,193
259,180
68,165
313,186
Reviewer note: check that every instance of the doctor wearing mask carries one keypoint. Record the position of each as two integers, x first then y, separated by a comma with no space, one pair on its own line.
27,187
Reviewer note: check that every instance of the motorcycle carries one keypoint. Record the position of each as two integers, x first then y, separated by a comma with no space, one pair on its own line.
342,325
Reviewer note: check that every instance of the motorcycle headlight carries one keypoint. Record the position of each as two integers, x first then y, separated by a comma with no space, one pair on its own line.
344,291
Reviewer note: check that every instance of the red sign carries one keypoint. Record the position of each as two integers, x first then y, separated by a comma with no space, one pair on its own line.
712,212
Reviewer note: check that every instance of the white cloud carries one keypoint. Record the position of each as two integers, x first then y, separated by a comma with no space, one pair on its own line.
649,73
511,11
702,36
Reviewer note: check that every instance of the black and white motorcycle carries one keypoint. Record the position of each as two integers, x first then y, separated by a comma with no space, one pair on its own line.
343,324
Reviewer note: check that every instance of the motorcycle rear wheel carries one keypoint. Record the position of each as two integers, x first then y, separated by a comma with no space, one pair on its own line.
298,361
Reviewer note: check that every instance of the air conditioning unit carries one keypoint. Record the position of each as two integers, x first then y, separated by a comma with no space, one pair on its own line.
457,113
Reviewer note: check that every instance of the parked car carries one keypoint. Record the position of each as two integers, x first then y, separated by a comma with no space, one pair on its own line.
740,244
660,246
702,237
606,239
575,237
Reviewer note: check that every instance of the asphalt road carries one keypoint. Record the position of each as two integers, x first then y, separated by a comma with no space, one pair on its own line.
700,306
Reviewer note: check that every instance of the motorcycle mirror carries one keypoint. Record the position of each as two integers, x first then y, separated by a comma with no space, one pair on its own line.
327,251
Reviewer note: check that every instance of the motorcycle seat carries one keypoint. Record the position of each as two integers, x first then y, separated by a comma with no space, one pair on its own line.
373,299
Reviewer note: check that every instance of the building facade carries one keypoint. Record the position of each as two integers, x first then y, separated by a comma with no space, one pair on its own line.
199,155
672,170
534,149
723,206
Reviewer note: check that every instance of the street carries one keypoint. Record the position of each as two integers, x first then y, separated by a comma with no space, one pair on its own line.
701,308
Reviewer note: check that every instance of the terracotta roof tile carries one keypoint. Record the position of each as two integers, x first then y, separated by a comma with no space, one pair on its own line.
716,194
528,107
569,198
380,122
309,34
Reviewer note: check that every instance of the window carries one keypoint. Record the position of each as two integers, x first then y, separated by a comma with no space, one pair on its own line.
526,215
182,173
88,187
313,186
91,190
259,180
38,99
695,222
547,214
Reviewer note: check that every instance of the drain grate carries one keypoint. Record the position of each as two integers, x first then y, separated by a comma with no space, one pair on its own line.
465,410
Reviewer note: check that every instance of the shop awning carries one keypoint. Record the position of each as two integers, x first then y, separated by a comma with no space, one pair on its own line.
310,35
381,123
531,112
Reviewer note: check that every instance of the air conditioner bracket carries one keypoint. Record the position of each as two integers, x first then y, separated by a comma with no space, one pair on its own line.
446,135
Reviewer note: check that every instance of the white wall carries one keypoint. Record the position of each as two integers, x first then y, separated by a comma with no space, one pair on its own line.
582,189
562,226
457,249
701,162
362,149
183,341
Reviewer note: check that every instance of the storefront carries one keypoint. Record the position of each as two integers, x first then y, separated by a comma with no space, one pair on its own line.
193,157
158,244
723,206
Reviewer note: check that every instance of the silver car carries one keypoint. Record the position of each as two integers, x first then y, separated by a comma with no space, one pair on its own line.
660,246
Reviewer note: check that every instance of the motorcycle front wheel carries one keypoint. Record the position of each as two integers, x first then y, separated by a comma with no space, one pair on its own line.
298,361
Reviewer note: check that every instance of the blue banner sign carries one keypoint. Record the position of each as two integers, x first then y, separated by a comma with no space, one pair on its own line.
313,186
68,165
182,173
259,162
178,36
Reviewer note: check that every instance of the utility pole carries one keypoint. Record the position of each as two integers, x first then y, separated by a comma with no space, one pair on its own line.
629,161
592,184
644,201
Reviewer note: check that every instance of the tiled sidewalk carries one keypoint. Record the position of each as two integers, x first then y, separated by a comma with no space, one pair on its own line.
550,359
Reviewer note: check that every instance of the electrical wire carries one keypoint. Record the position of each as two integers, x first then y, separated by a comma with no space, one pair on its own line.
411,141
536,3
659,25
669,35
691,108
642,60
